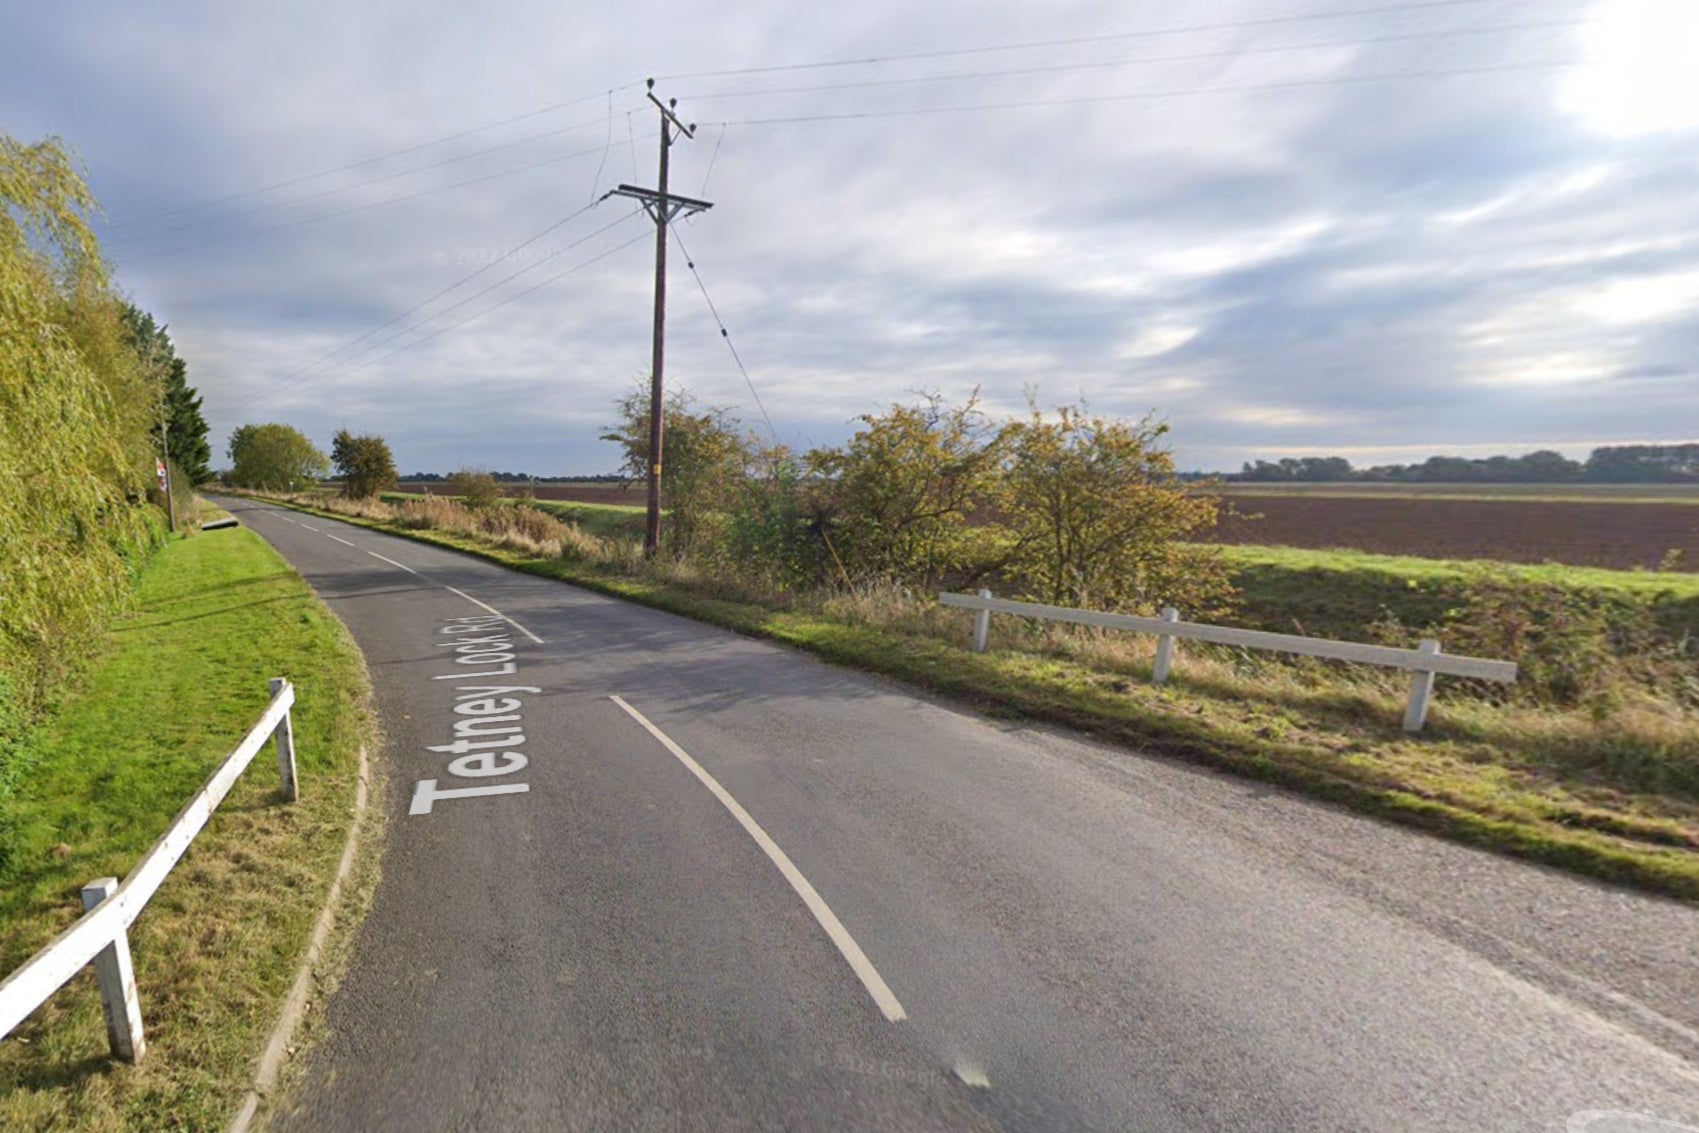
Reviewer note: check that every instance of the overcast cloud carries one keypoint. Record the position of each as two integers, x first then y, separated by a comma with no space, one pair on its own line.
1260,237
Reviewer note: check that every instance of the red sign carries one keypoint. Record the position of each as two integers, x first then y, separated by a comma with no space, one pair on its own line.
159,470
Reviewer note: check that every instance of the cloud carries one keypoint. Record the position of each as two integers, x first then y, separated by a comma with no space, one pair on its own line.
1249,228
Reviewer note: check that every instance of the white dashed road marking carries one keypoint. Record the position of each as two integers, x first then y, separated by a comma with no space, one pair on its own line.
393,563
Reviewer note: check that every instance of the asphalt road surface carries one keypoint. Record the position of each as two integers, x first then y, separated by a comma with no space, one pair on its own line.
643,874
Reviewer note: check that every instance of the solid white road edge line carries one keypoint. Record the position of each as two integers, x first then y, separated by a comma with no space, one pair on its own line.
858,961
496,612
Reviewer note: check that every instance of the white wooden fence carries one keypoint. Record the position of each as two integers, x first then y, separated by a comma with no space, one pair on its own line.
101,935
1423,662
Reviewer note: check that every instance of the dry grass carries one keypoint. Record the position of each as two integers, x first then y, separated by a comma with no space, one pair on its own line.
515,527
1611,789
216,950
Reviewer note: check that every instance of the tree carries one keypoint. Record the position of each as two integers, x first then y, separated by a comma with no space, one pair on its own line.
1100,519
277,458
1548,467
704,454
185,428
365,464
1644,464
74,456
900,493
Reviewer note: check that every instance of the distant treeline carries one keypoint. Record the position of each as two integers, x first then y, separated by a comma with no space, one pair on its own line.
1615,464
520,478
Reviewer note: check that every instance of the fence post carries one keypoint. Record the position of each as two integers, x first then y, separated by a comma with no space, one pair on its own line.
285,737
117,979
1165,648
1421,688
982,626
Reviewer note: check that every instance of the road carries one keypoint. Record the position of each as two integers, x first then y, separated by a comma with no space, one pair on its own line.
643,874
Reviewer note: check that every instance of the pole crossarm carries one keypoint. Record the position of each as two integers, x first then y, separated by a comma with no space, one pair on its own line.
667,112
653,202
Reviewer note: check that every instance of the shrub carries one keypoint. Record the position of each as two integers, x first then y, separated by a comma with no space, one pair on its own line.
772,528
1573,647
475,487
897,499
1099,517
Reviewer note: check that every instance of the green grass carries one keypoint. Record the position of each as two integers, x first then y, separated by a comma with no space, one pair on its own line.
605,521
1337,593
1612,797
173,689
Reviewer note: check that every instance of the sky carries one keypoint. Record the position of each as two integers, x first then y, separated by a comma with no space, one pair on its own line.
1284,227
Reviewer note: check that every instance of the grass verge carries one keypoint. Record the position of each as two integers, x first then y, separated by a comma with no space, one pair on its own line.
1615,798
1337,593
174,687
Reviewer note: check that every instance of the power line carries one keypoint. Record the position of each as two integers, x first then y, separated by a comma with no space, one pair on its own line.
341,368
1416,5
713,157
370,205
607,144
1136,96
1149,33
224,218
374,159
1534,25
462,281
640,238
690,262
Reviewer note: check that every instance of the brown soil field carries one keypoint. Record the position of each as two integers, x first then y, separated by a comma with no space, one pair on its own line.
1607,533
631,495
1604,534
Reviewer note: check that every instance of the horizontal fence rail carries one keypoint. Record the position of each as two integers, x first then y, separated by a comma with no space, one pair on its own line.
101,935
1424,662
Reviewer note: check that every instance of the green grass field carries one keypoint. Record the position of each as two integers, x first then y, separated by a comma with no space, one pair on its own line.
1337,593
605,521
175,686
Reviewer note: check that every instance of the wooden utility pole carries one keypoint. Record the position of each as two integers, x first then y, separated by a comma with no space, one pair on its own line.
662,207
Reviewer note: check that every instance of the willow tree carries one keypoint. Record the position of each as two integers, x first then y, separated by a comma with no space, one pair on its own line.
75,408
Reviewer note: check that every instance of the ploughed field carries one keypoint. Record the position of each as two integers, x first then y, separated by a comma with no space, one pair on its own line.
590,493
1602,533
1577,525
